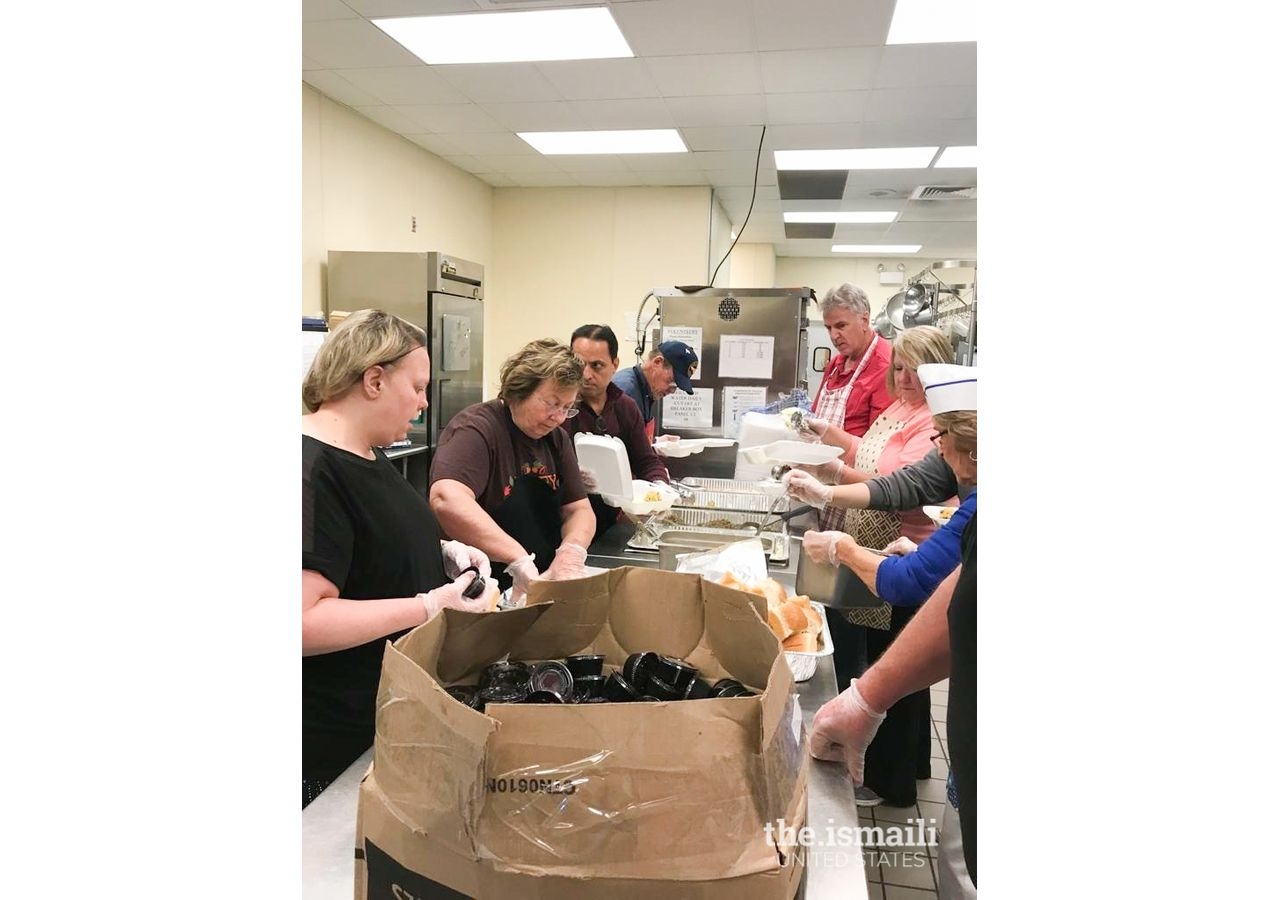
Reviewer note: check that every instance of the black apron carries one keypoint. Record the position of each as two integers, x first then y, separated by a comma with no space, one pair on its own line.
530,513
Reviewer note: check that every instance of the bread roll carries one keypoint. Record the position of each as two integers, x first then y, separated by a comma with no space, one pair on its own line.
801,643
729,580
792,615
778,626
773,590
815,619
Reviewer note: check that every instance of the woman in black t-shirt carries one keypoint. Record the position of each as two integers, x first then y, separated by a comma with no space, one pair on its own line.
373,564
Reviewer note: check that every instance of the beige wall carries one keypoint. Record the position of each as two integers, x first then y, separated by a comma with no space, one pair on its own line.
565,257
361,185
751,266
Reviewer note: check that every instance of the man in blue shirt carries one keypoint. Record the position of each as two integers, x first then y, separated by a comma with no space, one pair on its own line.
668,367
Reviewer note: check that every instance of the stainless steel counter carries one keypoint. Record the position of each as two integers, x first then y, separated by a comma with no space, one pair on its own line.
329,822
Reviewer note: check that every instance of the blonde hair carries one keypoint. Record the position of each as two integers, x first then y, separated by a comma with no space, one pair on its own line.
916,346
534,363
962,425
366,338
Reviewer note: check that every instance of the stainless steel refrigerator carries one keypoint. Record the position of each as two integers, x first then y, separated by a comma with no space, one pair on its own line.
441,294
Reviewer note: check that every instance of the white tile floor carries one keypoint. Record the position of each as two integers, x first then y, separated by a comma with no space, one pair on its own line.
895,873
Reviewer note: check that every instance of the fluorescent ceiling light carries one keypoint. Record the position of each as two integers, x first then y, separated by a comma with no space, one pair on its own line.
559,143
958,158
865,158
529,36
881,249
848,216
933,22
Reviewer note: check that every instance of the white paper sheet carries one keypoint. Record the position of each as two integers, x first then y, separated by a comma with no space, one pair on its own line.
690,335
746,356
681,410
735,404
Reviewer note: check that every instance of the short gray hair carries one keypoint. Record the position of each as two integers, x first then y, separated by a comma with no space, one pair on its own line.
846,296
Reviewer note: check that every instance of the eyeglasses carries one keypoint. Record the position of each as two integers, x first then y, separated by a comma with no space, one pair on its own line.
567,411
937,436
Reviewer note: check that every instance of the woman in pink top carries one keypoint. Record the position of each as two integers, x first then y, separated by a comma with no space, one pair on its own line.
901,435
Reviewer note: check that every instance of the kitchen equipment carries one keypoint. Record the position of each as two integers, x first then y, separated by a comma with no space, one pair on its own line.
784,517
441,294
834,586
717,512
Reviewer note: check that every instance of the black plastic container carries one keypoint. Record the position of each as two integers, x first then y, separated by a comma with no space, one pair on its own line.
582,666
729,687
637,668
466,694
588,687
544,697
552,676
697,690
618,689
504,693
675,672
660,689
506,675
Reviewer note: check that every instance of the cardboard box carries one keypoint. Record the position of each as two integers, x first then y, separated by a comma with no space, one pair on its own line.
619,800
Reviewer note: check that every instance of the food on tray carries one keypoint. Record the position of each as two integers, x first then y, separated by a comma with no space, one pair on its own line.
794,620
719,523
945,512
652,496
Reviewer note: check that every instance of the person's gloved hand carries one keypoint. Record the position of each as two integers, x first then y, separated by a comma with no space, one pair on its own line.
820,546
569,562
523,572
804,486
459,556
589,481
449,596
901,547
843,729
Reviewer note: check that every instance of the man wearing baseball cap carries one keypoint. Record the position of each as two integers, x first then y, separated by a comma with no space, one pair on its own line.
667,367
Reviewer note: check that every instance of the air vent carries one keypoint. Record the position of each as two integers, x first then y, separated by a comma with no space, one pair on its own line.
944,192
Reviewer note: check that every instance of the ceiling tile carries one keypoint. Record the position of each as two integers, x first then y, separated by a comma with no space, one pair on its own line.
498,143
918,65
787,25
438,145
813,185
868,233
665,179
551,116
940,211
389,117
675,27
496,179
830,106
728,137
388,8
516,164
310,64
734,160
701,76
449,118
404,85
335,86
604,179
620,114
926,103
352,44
600,79
468,163
544,179
766,196
802,71
500,82
809,230
320,10
920,133
581,165
720,110
815,136
662,162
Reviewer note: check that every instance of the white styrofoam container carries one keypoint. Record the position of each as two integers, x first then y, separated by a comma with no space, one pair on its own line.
606,457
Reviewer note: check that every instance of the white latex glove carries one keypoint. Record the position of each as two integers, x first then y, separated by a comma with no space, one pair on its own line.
820,546
459,556
449,596
523,572
569,562
804,486
589,481
843,729
901,547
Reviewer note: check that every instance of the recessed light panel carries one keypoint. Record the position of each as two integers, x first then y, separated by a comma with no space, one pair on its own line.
877,249
856,217
958,158
862,158
560,143
529,36
933,22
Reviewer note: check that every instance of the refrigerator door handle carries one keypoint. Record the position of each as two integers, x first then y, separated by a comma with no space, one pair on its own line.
440,383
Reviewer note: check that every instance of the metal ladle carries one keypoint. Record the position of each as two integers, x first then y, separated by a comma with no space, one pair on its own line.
758,527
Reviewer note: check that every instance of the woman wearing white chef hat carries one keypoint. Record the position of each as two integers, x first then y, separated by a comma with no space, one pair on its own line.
940,640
